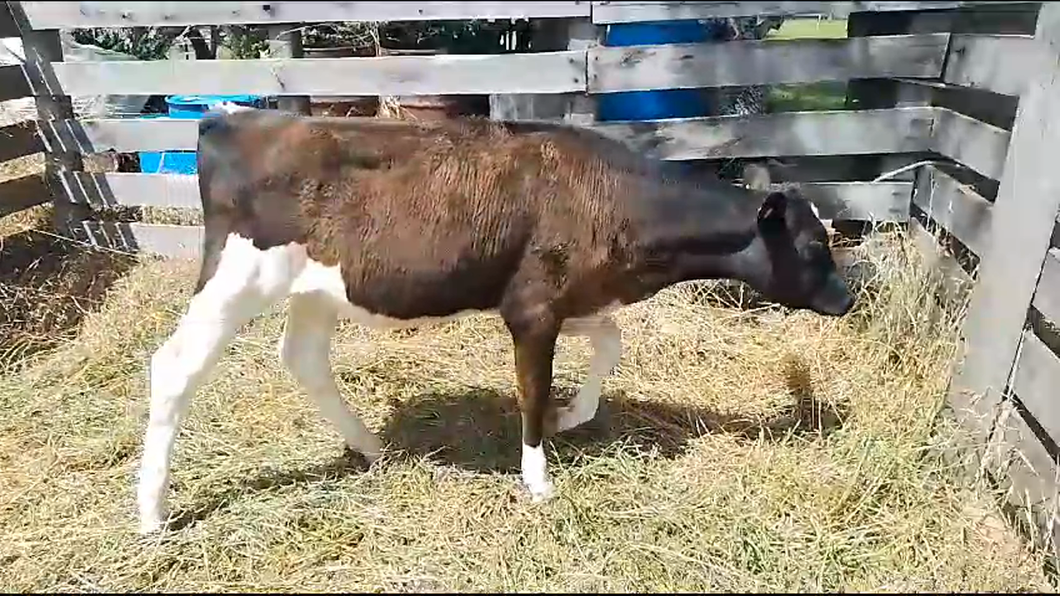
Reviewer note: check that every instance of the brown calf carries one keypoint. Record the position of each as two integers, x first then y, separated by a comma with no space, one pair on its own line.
395,224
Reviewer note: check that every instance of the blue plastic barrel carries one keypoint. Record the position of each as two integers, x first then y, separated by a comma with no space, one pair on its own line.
187,107
654,105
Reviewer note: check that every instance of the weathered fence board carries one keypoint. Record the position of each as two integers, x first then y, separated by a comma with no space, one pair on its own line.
541,72
56,15
975,144
157,239
955,281
896,130
1036,381
999,63
1023,218
13,84
956,207
1047,295
864,201
1031,472
8,27
792,133
122,135
17,140
23,193
629,12
763,62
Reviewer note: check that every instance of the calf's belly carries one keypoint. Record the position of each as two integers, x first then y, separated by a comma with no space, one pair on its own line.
401,300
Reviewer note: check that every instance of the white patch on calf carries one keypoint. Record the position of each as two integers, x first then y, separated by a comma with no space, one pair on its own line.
317,278
304,349
229,107
535,473
247,282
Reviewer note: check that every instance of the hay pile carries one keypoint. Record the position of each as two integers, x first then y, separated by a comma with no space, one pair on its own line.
736,450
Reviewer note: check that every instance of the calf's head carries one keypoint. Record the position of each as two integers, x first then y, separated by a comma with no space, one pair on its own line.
791,261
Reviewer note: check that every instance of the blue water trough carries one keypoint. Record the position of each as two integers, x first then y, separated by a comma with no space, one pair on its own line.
187,107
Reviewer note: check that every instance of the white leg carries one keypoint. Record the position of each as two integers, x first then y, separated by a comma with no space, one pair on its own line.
246,282
535,473
304,350
605,339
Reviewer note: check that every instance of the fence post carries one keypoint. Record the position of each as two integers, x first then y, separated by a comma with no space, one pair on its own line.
582,35
60,162
285,41
576,108
1024,216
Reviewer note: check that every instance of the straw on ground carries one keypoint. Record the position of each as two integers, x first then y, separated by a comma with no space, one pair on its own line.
737,449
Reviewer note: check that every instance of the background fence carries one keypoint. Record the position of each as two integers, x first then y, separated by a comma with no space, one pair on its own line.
974,86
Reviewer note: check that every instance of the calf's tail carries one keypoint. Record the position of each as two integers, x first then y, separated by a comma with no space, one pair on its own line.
215,161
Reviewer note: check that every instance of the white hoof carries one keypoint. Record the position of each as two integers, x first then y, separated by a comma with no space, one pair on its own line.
541,493
535,474
573,416
151,525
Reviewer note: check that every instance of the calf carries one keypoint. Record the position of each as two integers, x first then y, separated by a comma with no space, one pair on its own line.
396,224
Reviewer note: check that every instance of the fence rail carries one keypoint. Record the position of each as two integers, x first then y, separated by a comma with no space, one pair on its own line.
54,15
632,12
998,63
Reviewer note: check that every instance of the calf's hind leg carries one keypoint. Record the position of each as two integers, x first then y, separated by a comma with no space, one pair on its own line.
304,350
246,282
605,338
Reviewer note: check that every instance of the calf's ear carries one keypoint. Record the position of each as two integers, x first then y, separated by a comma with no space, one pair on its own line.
773,207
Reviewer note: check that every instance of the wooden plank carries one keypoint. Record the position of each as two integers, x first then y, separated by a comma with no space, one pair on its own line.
998,63
553,72
62,15
1023,218
955,282
22,193
1047,294
765,62
43,49
1036,382
8,27
895,130
552,35
792,133
975,144
182,242
631,12
138,190
285,42
956,207
18,140
992,108
1027,471
863,201
13,83
860,201
121,135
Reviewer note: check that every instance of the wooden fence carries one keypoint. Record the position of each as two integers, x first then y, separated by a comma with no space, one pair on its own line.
976,84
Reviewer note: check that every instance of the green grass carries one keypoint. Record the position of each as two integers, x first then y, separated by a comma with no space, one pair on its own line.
811,28
810,97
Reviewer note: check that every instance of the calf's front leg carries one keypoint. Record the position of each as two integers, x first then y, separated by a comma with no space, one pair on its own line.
535,346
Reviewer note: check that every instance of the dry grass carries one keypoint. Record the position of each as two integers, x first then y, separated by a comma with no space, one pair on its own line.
737,450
